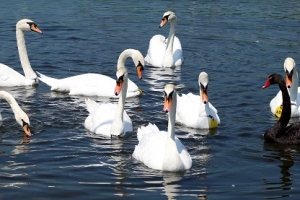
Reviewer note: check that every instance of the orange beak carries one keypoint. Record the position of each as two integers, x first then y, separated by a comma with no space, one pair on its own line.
26,129
139,70
167,104
163,22
204,96
35,29
288,81
118,87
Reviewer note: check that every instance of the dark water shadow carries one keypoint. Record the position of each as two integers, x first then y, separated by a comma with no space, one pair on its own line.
286,154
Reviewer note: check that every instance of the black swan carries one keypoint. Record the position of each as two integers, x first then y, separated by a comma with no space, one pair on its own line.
280,132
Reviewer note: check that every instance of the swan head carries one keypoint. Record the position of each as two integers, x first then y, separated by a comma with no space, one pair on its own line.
289,69
169,97
203,84
168,16
26,128
27,25
273,79
122,77
139,63
23,120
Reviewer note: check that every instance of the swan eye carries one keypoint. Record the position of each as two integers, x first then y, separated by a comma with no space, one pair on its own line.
141,66
289,74
120,80
203,88
166,17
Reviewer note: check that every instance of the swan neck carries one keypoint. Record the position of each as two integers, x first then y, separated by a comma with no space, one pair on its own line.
294,88
169,48
171,118
12,103
286,107
123,56
29,73
118,120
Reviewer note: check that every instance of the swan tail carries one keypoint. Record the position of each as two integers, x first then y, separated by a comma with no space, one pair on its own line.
46,79
90,105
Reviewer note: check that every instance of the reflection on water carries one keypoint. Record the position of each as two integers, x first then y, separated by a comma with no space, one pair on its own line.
157,78
285,155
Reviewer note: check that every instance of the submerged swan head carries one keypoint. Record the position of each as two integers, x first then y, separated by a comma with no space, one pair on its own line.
169,97
168,16
203,84
27,25
290,70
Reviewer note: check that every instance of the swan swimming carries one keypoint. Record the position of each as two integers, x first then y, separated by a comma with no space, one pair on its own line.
110,119
8,76
162,150
92,84
165,52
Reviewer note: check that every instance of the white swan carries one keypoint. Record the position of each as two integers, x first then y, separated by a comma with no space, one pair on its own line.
91,84
20,116
164,52
162,150
196,111
10,77
110,119
292,86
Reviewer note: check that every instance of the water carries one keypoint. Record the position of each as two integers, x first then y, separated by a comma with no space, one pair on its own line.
238,43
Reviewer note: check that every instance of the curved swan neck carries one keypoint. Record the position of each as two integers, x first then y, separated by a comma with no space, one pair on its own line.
13,104
278,129
294,89
286,105
123,56
29,73
172,117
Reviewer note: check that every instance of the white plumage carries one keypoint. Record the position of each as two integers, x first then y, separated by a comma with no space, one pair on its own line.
195,111
109,119
92,84
162,150
165,52
8,76
293,89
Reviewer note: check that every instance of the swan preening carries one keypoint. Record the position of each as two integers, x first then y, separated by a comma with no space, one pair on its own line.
162,150
20,116
165,52
195,111
92,84
292,87
280,132
110,119
8,76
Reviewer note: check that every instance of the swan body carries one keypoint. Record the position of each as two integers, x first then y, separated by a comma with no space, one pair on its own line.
20,116
110,119
165,52
196,111
8,76
92,84
162,150
293,90
281,132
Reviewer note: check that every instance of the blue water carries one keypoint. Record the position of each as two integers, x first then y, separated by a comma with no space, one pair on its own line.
238,43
